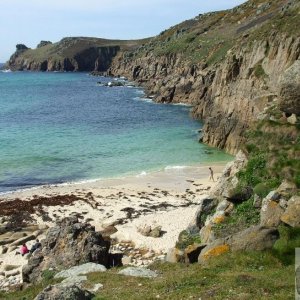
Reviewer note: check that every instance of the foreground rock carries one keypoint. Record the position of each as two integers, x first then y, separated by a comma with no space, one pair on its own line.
81,270
138,272
64,292
67,244
255,238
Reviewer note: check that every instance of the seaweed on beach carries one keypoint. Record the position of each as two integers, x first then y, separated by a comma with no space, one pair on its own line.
17,206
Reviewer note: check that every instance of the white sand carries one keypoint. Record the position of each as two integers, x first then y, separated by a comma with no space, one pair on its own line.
175,186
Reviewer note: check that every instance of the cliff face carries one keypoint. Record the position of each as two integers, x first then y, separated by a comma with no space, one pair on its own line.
234,77
70,54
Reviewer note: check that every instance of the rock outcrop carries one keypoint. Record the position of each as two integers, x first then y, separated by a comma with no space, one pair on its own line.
67,244
232,79
69,54
64,292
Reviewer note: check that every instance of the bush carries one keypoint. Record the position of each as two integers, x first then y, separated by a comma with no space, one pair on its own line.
284,248
264,188
185,239
48,274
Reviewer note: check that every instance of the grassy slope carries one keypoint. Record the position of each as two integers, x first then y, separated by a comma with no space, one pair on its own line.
231,276
207,38
69,47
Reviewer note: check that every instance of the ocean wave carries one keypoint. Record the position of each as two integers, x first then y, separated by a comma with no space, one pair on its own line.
143,173
182,104
175,167
144,99
6,71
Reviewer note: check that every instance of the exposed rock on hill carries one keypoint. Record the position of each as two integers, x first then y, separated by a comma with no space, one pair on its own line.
67,244
70,54
226,64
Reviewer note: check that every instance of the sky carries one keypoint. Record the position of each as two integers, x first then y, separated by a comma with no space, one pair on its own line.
30,21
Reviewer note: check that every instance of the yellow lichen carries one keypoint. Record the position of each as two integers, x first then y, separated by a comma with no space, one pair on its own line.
216,251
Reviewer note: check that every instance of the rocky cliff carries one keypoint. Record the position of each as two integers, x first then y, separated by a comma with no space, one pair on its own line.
226,64
69,54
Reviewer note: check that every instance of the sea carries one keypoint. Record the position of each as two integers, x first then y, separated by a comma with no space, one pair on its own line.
66,127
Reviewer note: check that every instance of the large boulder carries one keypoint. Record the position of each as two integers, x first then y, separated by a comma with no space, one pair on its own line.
255,238
271,210
81,270
289,89
291,216
64,292
67,244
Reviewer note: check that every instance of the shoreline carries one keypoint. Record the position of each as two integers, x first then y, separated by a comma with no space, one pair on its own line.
152,176
120,208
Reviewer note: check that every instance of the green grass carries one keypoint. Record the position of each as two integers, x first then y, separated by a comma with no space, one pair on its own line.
284,247
242,216
259,71
27,293
255,275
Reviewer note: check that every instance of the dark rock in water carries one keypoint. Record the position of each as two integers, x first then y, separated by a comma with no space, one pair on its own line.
114,83
63,292
67,244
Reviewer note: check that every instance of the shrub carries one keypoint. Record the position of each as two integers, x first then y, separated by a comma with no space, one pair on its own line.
284,248
185,239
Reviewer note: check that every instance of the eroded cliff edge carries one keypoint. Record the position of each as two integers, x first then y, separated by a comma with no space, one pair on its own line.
226,64
70,54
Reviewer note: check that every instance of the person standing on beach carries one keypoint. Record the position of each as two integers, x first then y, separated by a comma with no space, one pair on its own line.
211,177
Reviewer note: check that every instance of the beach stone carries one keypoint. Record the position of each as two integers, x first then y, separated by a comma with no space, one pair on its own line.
144,230
138,272
155,232
69,243
23,240
81,270
126,260
64,292
291,216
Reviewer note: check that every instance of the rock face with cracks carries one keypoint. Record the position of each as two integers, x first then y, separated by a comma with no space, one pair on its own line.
67,244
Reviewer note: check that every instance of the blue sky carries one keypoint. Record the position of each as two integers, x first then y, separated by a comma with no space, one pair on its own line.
30,21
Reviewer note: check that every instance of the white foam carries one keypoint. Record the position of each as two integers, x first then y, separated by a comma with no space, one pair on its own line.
6,71
175,167
143,173
182,104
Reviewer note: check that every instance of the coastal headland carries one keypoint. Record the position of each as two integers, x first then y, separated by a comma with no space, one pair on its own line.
235,239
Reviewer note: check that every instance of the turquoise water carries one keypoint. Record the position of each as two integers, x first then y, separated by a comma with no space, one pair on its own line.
61,127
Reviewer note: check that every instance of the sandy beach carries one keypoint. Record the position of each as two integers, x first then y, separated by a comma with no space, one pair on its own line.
168,198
